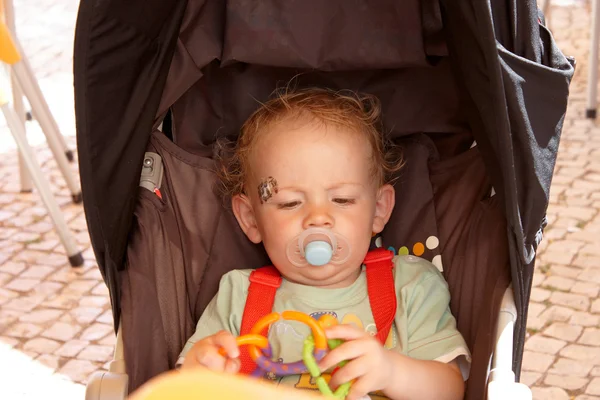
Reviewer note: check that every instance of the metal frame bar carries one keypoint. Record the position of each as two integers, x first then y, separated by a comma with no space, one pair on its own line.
23,82
17,94
501,378
114,383
27,82
592,92
21,73
35,171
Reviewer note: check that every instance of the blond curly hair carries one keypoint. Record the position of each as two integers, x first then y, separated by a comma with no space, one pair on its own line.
347,109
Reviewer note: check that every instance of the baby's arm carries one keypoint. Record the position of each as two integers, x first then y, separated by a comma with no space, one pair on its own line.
423,379
424,369
218,326
429,365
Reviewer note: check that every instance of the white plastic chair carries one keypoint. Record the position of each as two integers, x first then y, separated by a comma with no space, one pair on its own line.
21,73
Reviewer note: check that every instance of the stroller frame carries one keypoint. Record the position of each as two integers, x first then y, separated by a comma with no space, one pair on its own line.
516,126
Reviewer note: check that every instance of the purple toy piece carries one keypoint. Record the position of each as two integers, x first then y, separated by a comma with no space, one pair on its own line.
265,364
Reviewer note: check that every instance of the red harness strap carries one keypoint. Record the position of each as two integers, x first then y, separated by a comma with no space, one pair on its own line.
265,281
381,289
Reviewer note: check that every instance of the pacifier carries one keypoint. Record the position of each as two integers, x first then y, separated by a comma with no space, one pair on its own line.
317,247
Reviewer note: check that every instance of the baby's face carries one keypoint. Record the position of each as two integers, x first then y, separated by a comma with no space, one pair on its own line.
313,176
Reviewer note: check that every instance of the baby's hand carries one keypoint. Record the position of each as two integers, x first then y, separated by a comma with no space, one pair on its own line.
368,361
206,353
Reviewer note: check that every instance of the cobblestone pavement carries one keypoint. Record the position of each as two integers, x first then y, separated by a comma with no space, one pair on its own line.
562,351
55,322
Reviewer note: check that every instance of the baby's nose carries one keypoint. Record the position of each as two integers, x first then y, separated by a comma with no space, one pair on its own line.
318,217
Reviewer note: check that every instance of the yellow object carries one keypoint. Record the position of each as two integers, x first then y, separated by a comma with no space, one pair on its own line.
327,321
200,383
8,51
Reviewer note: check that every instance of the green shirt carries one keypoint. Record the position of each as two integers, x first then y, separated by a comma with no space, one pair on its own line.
424,327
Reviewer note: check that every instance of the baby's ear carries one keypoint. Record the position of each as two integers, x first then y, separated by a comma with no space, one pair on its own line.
384,205
244,213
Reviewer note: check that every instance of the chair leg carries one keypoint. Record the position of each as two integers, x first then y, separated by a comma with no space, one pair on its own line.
30,87
9,18
29,116
26,185
590,111
66,237
25,179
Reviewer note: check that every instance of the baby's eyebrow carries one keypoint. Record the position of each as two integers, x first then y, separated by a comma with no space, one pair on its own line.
289,188
341,184
332,187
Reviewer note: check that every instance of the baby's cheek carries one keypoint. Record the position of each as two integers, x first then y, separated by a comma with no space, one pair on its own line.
361,240
275,244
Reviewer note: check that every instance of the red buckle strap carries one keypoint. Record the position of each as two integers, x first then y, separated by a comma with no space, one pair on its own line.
264,283
377,255
381,290
267,276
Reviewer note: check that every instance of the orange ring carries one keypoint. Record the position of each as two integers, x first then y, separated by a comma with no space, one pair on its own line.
260,325
264,322
258,341
317,330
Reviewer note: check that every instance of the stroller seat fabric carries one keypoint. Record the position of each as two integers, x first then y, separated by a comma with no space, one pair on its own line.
182,243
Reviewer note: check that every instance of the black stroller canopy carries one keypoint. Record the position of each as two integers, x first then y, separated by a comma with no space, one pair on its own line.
511,91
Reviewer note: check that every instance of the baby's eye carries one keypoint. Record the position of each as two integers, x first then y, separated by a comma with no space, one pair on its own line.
344,201
288,205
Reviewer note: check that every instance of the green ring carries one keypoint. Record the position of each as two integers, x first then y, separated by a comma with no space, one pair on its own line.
309,360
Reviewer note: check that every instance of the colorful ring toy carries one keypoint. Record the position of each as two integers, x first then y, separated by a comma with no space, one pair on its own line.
315,347
309,360
263,359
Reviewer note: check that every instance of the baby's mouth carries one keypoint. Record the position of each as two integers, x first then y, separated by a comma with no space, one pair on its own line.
318,247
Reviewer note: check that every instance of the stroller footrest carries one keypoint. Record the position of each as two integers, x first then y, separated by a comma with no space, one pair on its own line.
107,386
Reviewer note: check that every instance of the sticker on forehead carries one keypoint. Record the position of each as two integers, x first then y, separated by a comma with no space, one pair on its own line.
266,189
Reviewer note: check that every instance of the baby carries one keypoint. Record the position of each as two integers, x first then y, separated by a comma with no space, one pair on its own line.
312,169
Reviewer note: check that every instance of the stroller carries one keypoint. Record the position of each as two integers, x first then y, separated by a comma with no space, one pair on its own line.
474,91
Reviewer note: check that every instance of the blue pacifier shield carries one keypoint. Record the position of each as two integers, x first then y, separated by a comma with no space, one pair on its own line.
318,253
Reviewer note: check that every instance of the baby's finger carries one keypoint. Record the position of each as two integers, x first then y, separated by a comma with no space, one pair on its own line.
232,365
345,332
191,361
346,351
212,360
353,370
227,342
359,390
